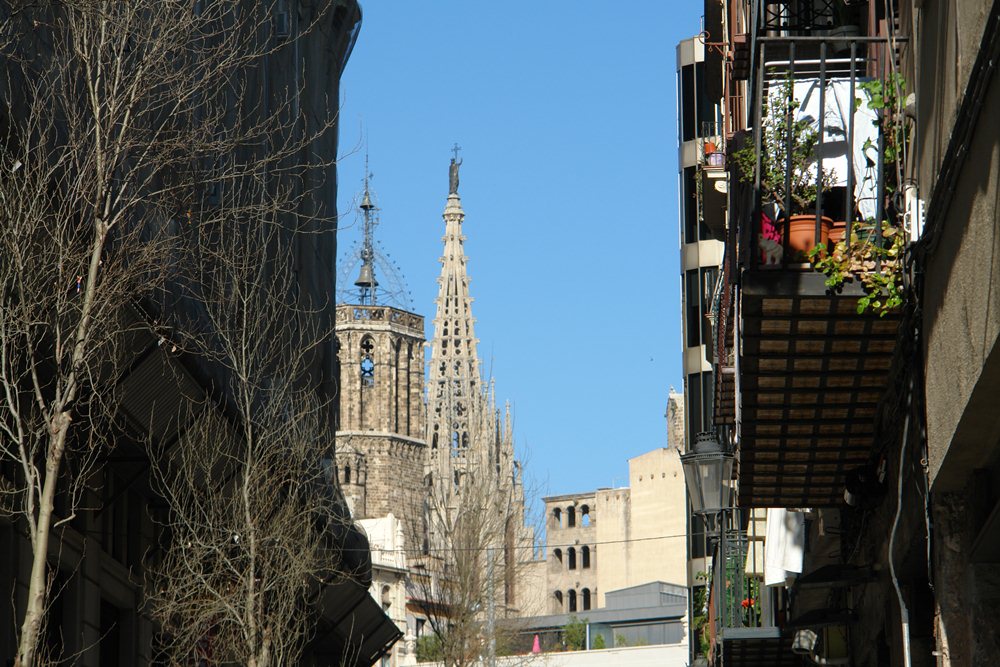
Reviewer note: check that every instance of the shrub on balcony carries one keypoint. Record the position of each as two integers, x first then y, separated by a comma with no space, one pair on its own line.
876,262
788,172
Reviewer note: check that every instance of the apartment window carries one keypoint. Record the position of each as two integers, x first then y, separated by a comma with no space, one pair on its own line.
704,109
700,390
687,102
709,275
689,205
698,549
692,308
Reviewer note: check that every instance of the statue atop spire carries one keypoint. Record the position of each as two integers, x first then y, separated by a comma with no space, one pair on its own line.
453,171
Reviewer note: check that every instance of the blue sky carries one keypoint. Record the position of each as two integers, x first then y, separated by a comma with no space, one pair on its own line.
566,115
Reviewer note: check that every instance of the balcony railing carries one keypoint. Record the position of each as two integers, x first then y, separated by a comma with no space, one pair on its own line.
818,148
744,606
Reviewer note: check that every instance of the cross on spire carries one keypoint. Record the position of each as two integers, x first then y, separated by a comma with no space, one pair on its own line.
455,149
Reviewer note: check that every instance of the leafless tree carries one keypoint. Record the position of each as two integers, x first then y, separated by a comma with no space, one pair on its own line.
466,581
252,513
122,124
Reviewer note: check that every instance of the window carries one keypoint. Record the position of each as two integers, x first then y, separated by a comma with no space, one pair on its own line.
571,556
708,278
695,228
585,557
557,554
697,538
705,110
695,422
692,308
557,518
585,516
700,393
687,103
571,516
367,364
585,595
572,601
689,205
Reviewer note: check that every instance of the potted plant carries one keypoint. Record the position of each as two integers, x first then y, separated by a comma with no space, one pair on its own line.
788,172
875,259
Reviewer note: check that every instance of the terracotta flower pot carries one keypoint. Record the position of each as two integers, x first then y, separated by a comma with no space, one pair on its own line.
837,230
802,232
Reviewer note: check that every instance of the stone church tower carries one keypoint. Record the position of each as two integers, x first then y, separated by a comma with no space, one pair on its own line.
380,432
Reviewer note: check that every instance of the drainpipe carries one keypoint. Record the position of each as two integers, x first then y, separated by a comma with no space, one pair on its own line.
904,615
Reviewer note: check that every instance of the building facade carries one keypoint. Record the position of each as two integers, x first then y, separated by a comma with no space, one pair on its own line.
102,554
859,371
612,539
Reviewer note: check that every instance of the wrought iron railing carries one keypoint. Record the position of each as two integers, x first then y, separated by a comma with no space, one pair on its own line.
818,147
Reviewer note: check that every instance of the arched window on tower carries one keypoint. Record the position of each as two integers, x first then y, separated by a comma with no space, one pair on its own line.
347,474
557,554
559,601
585,595
585,557
572,601
367,362
585,515
570,516
557,518
571,557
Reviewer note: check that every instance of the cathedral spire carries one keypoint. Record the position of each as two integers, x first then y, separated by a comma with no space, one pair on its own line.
454,378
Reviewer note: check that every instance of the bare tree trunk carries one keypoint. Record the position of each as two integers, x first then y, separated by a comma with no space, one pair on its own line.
120,118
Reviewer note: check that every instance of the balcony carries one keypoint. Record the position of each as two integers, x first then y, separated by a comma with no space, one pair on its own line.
810,365
746,614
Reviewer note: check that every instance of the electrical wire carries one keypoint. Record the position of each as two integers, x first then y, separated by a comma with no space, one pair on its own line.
522,546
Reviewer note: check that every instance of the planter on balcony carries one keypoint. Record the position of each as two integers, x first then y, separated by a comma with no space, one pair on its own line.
837,230
802,232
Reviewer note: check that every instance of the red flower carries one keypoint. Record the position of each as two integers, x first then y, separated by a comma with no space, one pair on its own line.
747,603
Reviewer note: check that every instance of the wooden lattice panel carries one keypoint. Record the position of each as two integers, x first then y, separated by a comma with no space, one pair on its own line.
812,373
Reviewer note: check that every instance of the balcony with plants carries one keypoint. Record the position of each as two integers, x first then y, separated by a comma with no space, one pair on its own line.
745,616
815,253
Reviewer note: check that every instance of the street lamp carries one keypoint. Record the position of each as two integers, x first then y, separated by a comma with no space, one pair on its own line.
708,471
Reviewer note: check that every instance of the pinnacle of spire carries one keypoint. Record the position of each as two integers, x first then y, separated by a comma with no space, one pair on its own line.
366,282
455,387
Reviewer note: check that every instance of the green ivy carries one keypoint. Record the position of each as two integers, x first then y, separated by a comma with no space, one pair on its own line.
878,267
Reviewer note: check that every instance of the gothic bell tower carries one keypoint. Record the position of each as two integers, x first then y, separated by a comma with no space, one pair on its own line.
381,423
